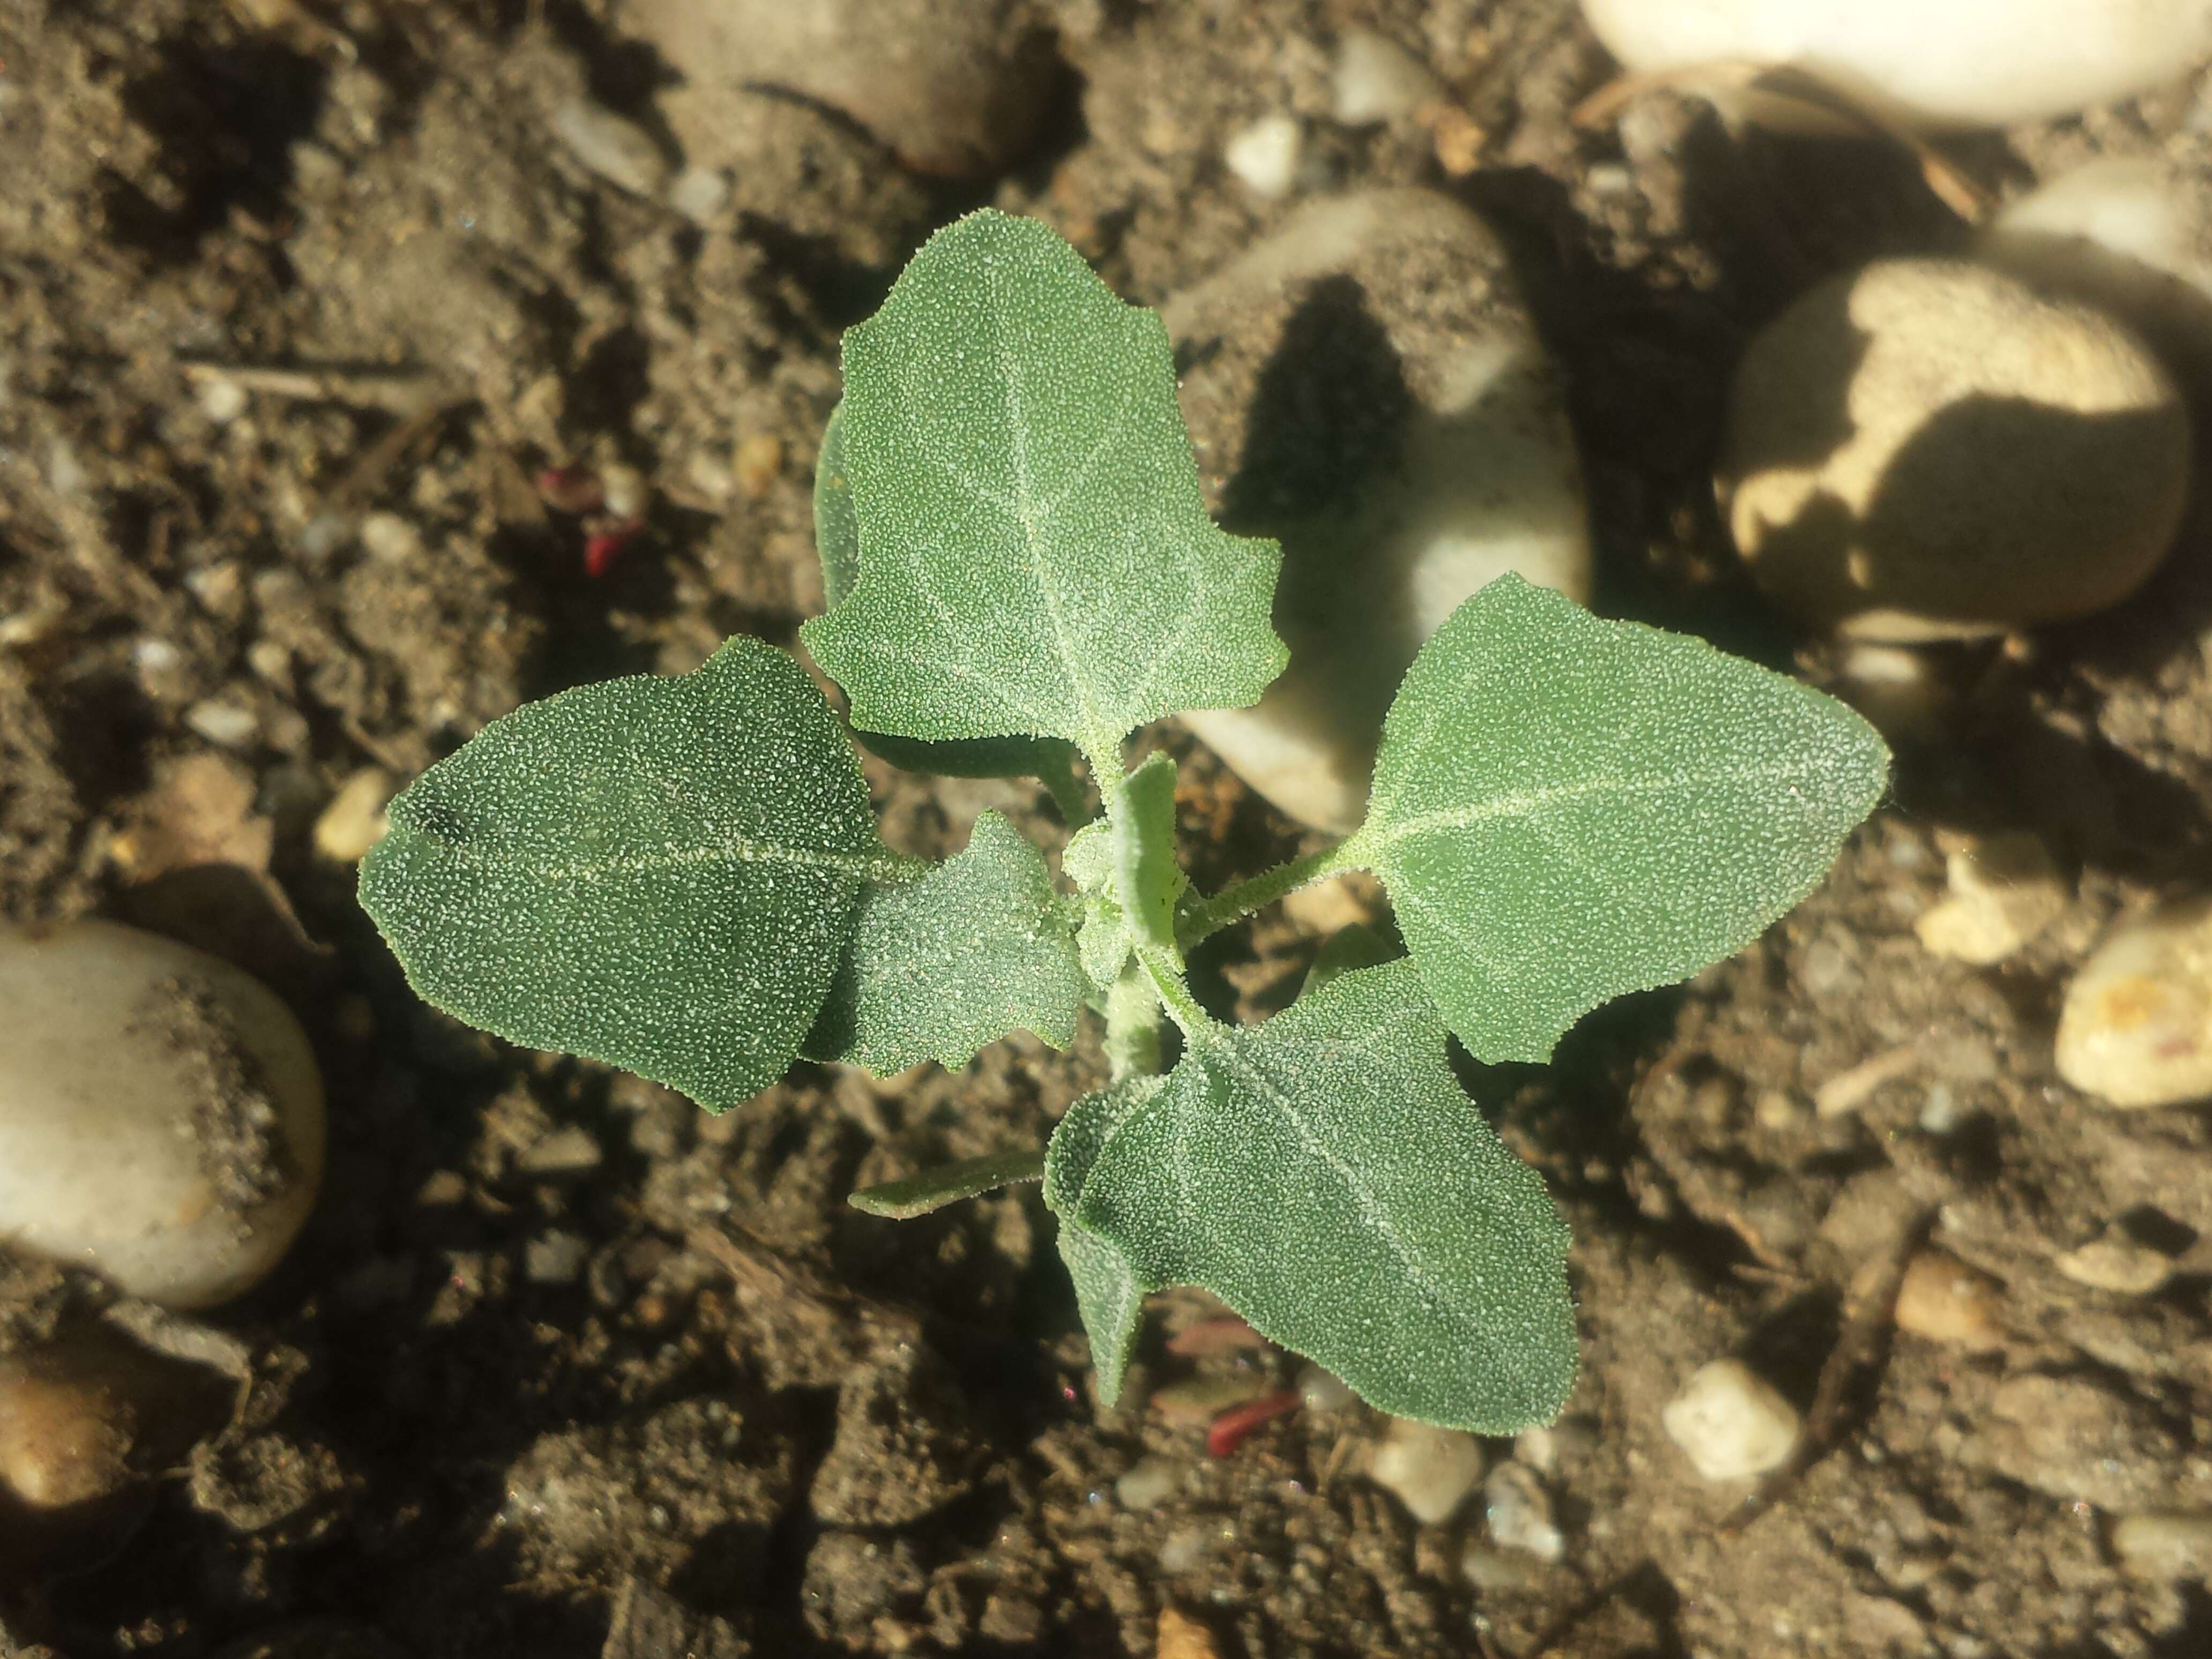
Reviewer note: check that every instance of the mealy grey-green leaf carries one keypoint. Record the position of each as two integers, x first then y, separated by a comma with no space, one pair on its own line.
941,967
659,872
932,1189
1566,809
1107,1294
1324,1173
1147,878
1036,558
1105,941
837,544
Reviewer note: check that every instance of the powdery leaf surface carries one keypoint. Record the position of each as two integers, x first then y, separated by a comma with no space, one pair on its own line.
1566,809
658,873
1109,1295
1323,1174
941,967
837,544
1036,558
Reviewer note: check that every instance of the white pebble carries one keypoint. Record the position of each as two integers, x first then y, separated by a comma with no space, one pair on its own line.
354,821
160,1113
616,149
1520,1514
2117,1264
2165,1545
1324,1391
1265,155
391,538
1376,80
2004,891
222,399
1481,476
2132,236
1731,1423
1929,63
1430,1470
2136,1028
1148,1483
1927,449
221,721
699,193
627,492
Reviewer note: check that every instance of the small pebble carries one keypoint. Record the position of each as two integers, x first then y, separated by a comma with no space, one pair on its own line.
554,1257
2167,1544
1193,1544
2136,1028
1199,1399
1376,81
93,1414
1930,65
2004,891
1494,1570
625,490
1324,1391
1926,449
160,1113
231,725
572,1150
389,538
1182,1637
616,149
353,821
1430,1470
2117,1263
1265,155
756,463
1732,1423
1148,1483
1943,1299
221,399
1519,1513
699,194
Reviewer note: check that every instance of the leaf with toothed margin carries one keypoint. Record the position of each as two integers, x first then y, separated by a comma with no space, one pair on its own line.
1036,558
1566,809
657,871
1324,1175
837,544
1108,1293
942,967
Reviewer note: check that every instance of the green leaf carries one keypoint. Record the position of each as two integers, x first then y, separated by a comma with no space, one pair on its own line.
944,966
1147,879
1324,1175
837,544
1566,809
659,872
932,1189
1105,940
1108,1293
1034,555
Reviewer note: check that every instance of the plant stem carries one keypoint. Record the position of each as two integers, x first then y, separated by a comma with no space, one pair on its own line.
1173,991
1132,1025
1067,793
1233,904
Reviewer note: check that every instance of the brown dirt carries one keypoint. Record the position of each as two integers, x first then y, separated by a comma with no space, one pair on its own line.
666,1394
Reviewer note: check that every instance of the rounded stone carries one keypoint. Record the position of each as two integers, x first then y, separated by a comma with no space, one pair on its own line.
2136,1028
1731,1423
954,87
1365,386
1927,449
160,1112
1428,1469
1928,63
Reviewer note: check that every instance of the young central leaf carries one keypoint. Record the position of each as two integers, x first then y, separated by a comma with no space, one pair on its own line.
660,872
1566,809
1034,558
980,946
1324,1175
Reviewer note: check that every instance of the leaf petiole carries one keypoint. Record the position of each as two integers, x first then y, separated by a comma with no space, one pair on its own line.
1202,920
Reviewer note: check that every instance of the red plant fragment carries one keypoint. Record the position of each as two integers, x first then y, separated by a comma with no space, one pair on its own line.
601,551
571,488
1204,1336
1231,1429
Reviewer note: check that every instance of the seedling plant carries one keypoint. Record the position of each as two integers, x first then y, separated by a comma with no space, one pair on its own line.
683,875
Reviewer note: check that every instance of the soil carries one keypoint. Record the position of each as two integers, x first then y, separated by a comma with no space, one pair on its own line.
563,1366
